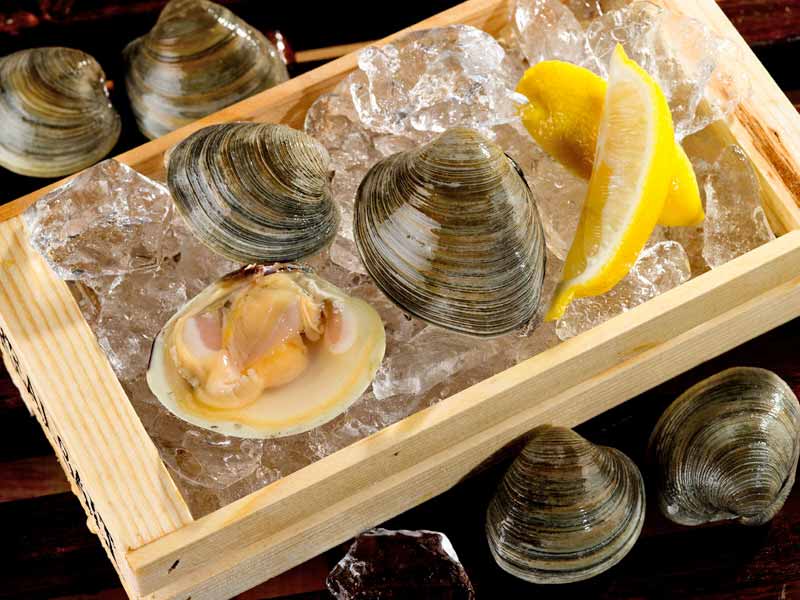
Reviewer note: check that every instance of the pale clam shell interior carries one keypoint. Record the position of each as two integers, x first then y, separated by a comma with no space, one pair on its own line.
197,59
566,509
727,448
331,383
55,115
451,234
254,192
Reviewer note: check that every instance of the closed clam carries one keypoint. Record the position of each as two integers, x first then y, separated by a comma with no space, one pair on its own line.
727,448
55,115
450,233
198,58
254,192
266,351
566,509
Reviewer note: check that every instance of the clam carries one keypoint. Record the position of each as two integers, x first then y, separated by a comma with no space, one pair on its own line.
727,448
198,58
566,509
55,115
254,192
450,233
266,351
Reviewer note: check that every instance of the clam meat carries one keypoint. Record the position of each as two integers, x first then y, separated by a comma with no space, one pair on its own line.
727,448
254,192
450,233
267,351
55,115
198,58
566,509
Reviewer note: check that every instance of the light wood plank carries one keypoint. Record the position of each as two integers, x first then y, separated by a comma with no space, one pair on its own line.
407,463
329,52
67,383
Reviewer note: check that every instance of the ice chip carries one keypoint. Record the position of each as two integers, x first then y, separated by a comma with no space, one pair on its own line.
559,193
659,268
549,30
735,220
687,60
107,221
431,80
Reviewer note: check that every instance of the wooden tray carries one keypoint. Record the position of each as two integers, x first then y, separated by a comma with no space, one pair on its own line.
133,505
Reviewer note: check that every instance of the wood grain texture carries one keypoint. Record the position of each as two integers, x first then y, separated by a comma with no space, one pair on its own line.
32,477
67,383
764,22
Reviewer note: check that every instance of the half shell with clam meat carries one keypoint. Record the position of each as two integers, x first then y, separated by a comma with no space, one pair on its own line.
727,448
566,509
198,58
266,351
450,233
55,115
254,192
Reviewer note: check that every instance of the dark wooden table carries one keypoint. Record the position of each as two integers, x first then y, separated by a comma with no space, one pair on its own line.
49,553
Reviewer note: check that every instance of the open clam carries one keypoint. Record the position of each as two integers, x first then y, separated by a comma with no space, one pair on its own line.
450,233
55,114
198,58
254,192
566,509
266,351
727,448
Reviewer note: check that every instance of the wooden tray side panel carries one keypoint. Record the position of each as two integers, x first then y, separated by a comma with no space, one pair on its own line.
67,383
324,504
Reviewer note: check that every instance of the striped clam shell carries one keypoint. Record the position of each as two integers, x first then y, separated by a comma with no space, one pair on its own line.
198,58
450,233
566,509
727,448
254,192
55,115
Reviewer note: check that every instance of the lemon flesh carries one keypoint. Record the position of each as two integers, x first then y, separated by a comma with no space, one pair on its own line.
629,183
563,116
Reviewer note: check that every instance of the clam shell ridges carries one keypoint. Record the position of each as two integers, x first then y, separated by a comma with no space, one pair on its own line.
254,192
55,114
566,509
198,59
727,449
451,234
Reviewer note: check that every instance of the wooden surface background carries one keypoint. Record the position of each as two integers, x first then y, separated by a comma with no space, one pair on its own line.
49,552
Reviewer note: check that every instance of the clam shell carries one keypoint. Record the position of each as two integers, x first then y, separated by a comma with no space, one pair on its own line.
55,114
727,448
198,58
254,192
566,509
328,386
450,233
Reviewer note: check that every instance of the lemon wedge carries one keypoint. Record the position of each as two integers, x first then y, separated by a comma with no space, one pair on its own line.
563,116
631,175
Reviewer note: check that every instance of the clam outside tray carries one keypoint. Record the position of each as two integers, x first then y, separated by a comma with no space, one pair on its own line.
134,507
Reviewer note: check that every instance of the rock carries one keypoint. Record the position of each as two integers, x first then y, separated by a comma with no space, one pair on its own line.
400,565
